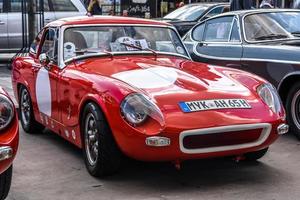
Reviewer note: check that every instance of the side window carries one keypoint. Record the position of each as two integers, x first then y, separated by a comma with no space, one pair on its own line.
1,6
16,5
198,32
50,44
235,34
218,30
63,6
35,44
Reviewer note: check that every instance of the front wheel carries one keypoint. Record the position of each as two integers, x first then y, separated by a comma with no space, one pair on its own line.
101,154
29,124
5,182
293,109
253,156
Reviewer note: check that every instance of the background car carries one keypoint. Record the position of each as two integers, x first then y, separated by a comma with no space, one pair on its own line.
11,19
253,41
186,17
114,85
9,140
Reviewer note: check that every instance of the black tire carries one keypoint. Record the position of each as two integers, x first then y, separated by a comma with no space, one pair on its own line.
96,134
5,182
28,122
253,156
293,109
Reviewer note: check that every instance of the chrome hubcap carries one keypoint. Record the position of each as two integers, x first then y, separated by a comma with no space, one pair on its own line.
91,140
295,109
25,107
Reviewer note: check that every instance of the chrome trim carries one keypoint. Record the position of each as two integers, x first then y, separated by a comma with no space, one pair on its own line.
282,129
6,152
61,62
263,137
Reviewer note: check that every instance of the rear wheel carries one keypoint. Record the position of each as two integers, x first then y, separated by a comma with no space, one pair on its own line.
253,156
101,154
5,182
29,124
293,109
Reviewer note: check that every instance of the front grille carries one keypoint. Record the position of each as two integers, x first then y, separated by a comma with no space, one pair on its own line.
221,139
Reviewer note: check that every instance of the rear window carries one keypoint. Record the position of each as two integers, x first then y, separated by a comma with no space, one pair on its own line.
63,6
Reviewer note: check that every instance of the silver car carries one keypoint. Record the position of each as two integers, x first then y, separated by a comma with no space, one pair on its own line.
11,19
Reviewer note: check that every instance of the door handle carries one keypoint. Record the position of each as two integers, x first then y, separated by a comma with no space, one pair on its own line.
2,23
201,44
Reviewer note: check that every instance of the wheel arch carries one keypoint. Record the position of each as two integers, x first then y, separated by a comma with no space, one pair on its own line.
98,100
285,83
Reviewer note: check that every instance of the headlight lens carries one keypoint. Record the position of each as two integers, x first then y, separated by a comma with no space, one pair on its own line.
138,109
6,111
270,96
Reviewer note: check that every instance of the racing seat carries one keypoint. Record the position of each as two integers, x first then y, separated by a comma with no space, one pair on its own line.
76,38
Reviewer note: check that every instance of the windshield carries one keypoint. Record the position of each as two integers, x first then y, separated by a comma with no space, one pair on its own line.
290,21
88,40
260,27
187,13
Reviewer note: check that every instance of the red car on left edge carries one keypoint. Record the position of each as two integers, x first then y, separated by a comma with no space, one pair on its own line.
9,141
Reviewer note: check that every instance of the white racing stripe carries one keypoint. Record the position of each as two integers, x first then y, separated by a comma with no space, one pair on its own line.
43,92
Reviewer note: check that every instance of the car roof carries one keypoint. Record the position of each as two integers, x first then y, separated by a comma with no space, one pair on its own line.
254,11
84,20
207,4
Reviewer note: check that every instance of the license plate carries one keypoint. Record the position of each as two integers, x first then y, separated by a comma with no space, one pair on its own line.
214,104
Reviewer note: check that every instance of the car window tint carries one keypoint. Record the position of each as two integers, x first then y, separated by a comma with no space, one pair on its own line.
50,44
63,6
198,32
218,30
35,44
235,35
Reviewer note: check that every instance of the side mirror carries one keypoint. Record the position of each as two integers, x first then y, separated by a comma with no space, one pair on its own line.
44,59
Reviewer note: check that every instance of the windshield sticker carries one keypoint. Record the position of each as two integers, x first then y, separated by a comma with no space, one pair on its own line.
69,50
141,43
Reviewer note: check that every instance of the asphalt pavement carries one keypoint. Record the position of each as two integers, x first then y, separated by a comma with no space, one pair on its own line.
49,168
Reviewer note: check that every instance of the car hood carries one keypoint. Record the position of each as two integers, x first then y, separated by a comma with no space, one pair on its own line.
171,80
166,77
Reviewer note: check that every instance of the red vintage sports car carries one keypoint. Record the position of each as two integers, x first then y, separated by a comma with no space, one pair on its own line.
9,140
115,84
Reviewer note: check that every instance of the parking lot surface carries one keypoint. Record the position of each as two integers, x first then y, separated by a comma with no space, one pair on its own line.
47,167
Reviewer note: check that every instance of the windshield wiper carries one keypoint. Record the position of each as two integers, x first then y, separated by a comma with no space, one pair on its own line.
271,36
140,48
83,51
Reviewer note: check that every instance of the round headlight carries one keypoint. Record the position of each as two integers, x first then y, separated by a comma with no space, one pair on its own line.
6,111
137,108
270,96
